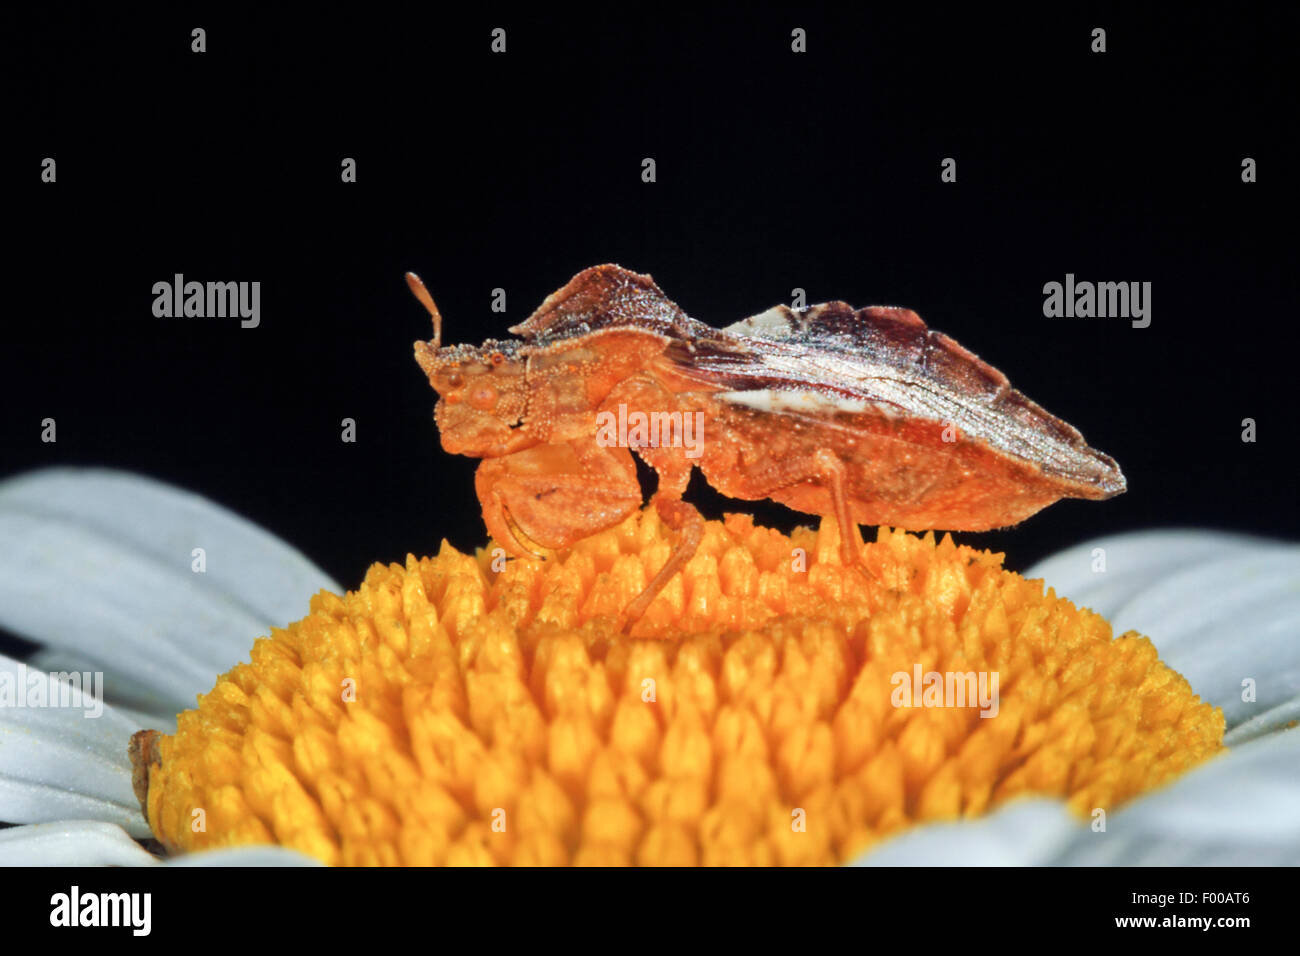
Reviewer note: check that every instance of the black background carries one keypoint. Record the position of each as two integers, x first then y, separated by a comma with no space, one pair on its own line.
775,170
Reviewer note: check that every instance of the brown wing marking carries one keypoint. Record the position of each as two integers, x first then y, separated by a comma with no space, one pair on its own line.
602,297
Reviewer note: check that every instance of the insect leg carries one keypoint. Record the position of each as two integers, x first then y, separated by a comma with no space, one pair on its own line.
832,472
826,468
763,478
668,457
500,526
683,518
550,496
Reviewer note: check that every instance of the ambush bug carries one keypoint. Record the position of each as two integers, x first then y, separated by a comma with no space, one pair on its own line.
865,415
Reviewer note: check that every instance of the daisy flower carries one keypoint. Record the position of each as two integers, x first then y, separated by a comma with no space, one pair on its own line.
771,708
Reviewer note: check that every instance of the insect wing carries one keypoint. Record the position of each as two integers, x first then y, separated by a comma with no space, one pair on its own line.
884,362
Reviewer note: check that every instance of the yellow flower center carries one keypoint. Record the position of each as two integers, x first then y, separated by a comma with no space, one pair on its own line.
774,707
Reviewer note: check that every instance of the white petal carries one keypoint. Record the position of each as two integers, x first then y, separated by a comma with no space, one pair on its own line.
1242,808
128,697
1282,717
1221,622
1024,832
61,762
71,843
99,562
90,843
1219,608
1239,809
1133,562
246,856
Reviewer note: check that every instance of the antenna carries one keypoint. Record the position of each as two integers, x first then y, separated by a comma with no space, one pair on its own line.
420,292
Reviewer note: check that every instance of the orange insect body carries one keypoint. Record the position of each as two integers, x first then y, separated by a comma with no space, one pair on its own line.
865,416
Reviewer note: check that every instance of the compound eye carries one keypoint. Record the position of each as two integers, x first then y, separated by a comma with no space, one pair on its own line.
496,358
483,397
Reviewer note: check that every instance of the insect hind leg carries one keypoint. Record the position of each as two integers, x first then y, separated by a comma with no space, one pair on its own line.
771,475
833,474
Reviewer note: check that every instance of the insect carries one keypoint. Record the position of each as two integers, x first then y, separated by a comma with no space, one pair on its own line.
862,415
